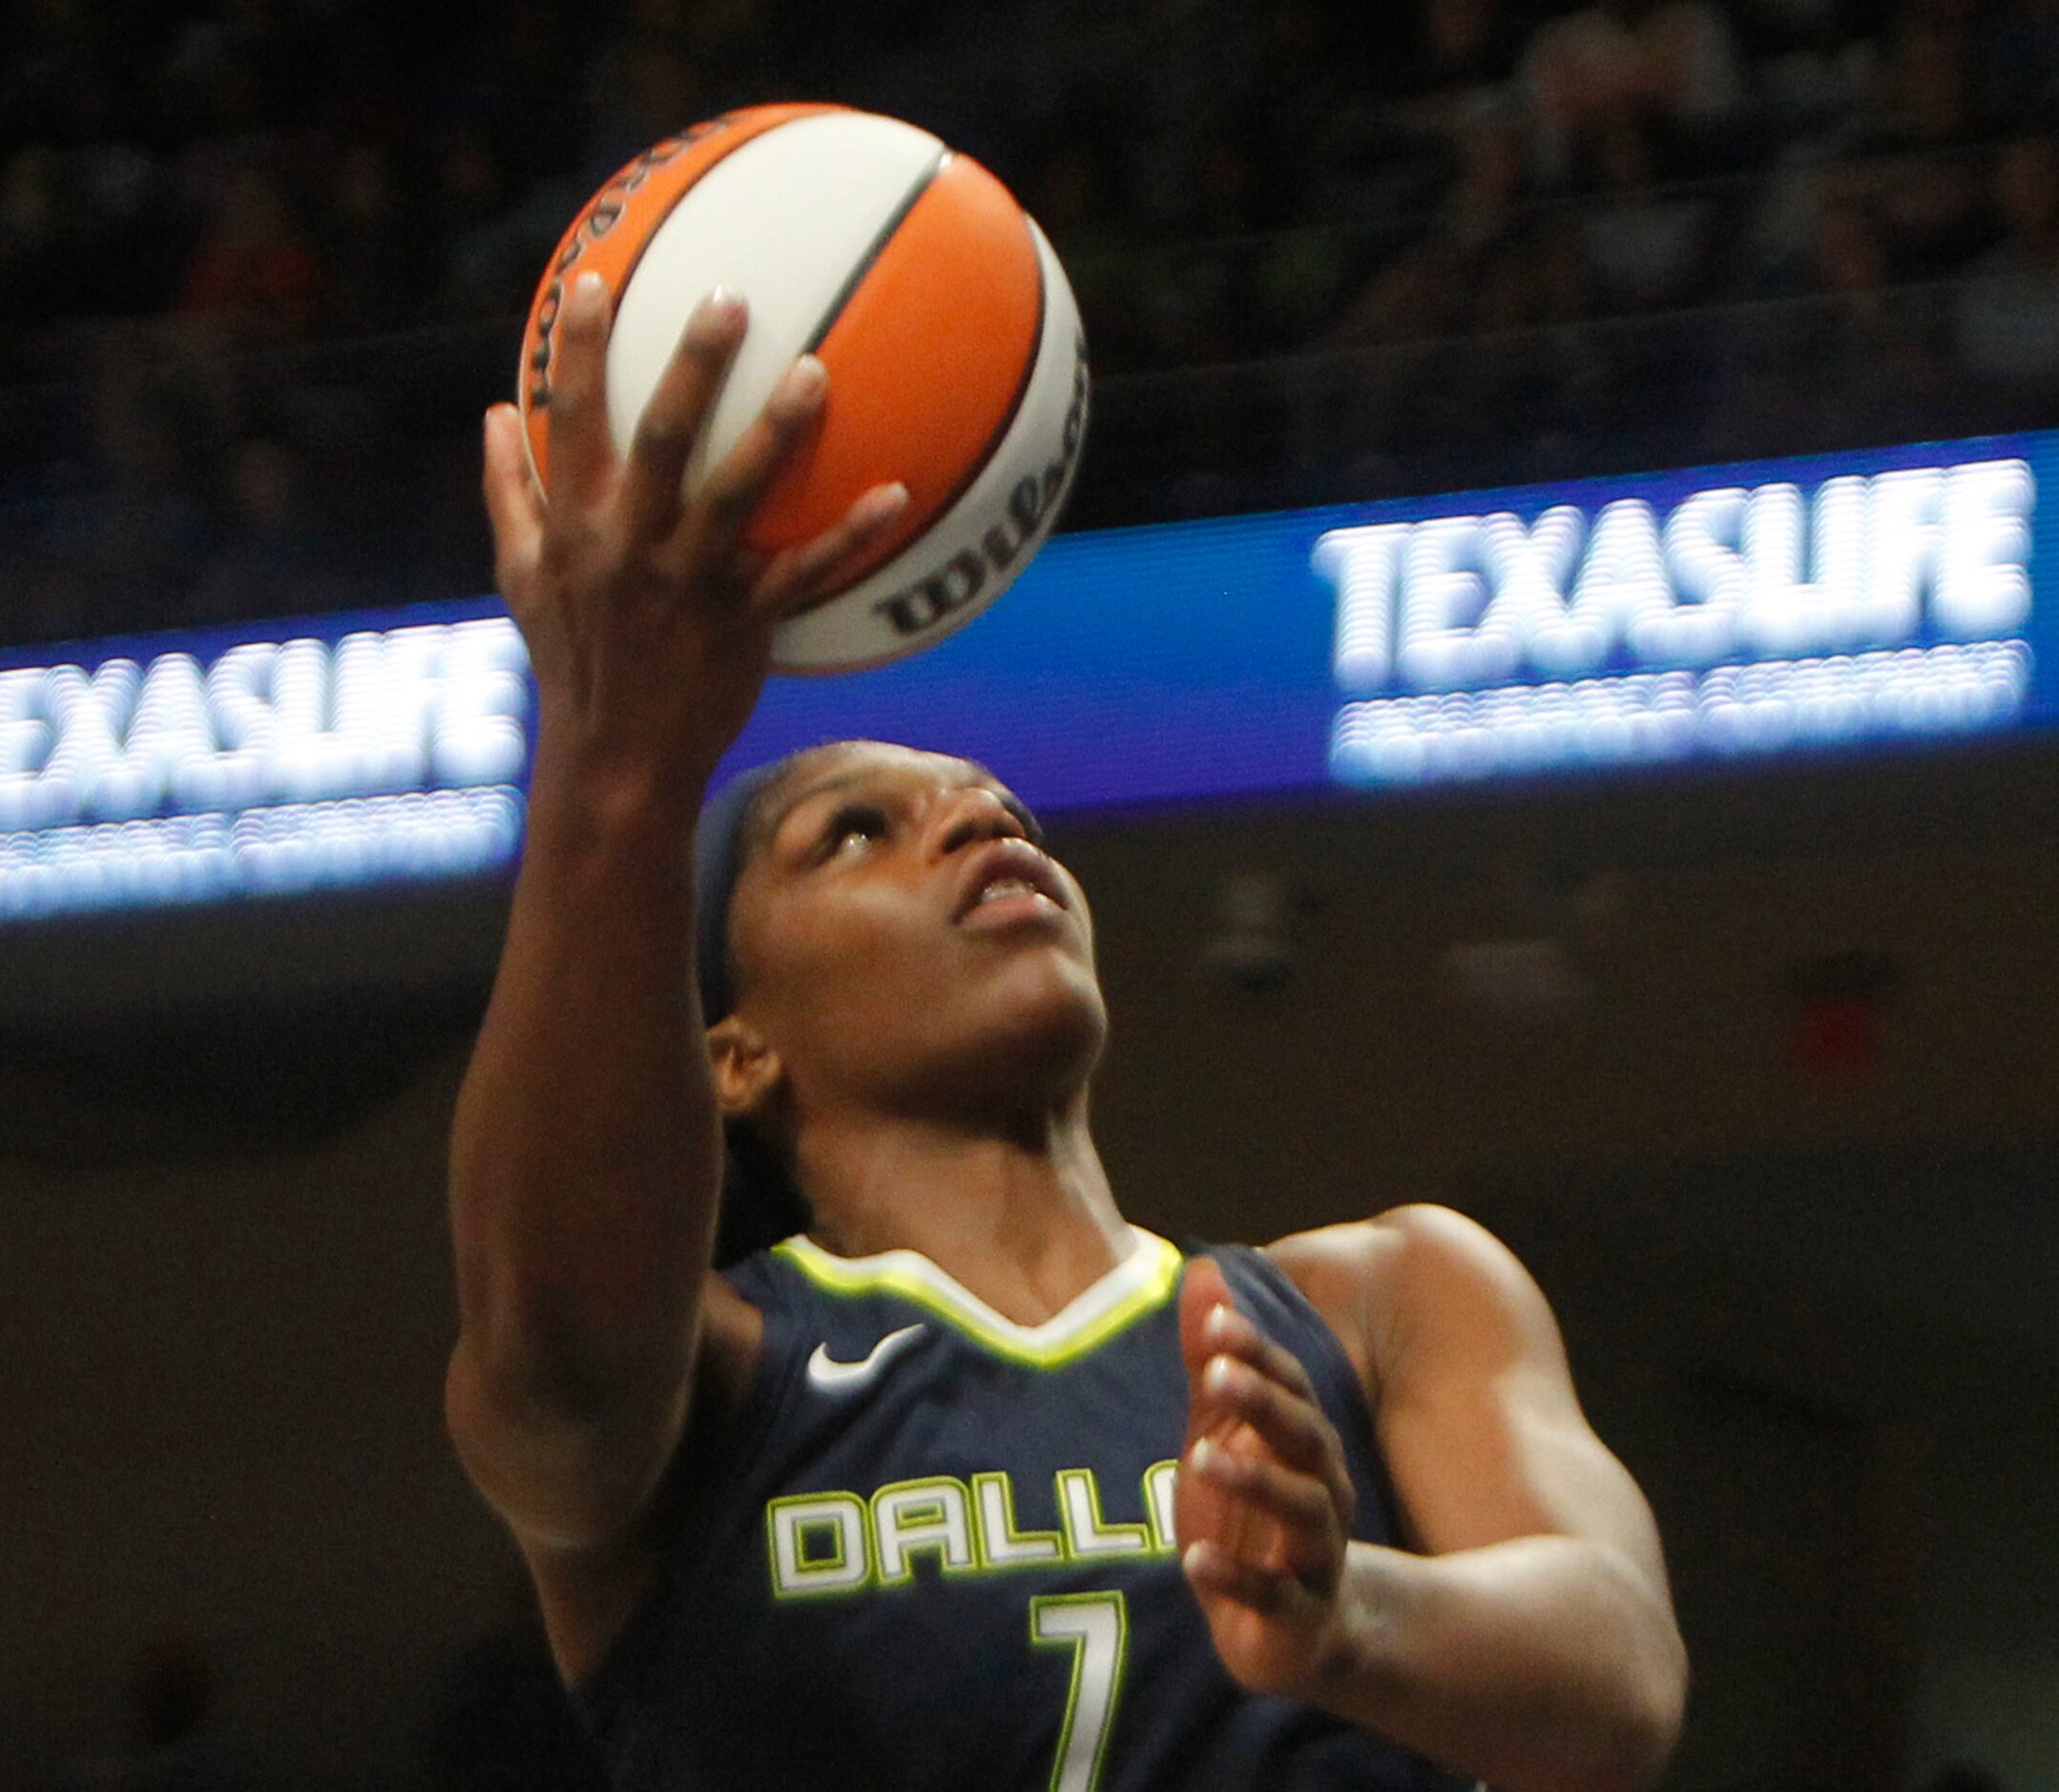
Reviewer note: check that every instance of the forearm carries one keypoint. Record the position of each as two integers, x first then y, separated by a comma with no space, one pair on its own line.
1540,1664
586,1153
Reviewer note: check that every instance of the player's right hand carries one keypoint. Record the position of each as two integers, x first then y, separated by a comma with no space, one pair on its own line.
649,621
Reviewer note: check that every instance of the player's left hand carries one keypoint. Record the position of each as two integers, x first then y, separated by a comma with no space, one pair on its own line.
1263,1501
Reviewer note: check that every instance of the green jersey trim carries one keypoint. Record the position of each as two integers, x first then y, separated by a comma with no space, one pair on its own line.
1138,1284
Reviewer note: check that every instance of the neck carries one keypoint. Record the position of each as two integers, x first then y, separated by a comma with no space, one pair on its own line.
1019,1215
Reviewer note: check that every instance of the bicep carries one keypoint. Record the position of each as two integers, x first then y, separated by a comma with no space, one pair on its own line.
1478,1418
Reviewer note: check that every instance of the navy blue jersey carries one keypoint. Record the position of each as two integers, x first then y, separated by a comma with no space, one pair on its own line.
935,1551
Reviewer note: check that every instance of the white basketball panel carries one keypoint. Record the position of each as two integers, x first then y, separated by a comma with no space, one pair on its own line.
782,221
858,628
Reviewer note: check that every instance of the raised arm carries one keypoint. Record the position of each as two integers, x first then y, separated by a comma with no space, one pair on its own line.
1533,1644
586,1156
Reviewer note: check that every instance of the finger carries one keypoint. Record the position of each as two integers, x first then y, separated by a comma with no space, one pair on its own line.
749,468
1203,1509
582,453
1210,1569
1292,1428
1201,1290
801,577
675,414
1300,1506
1228,1332
515,506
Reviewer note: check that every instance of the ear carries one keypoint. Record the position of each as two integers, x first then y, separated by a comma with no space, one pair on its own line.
747,1070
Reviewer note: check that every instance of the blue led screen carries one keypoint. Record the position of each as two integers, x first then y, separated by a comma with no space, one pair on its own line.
1833,601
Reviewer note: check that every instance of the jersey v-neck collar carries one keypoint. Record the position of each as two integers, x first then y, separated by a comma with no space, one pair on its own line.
1135,1286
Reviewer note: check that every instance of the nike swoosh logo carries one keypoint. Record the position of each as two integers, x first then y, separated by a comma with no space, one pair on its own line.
824,1371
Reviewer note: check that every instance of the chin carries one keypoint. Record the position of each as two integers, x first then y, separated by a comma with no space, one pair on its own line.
1040,1045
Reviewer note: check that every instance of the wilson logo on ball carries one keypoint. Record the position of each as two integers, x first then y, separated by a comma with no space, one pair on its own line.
939,595
956,359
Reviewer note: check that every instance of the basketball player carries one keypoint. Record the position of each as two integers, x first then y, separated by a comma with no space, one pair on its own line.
970,1483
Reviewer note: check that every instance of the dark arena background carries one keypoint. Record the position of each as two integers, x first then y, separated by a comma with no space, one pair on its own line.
1548,679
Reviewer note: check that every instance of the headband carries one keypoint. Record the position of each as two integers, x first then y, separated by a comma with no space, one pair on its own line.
718,845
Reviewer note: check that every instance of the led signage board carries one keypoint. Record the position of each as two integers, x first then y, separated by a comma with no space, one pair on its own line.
1832,602
1733,618
187,768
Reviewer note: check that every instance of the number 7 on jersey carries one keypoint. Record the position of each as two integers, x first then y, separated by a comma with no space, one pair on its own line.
1096,1627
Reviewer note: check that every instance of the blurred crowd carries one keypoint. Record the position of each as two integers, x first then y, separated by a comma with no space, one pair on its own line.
264,259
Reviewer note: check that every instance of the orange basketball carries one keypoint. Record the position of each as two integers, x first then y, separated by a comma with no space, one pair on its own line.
956,359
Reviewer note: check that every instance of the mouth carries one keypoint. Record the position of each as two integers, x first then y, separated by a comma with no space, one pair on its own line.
1009,880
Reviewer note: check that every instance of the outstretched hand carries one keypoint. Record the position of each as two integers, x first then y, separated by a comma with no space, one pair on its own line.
649,621
1264,1502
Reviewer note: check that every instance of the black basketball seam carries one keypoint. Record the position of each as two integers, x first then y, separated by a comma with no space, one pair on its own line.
977,466
1030,362
876,248
980,462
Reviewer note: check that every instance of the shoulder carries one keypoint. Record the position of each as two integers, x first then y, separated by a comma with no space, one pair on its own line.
1415,1276
1405,1251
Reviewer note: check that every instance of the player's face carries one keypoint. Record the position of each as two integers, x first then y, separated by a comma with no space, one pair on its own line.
899,938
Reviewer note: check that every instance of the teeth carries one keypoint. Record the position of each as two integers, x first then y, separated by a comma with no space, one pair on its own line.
1007,886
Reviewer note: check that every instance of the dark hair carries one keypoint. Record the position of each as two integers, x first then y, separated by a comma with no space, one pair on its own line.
761,1202
730,826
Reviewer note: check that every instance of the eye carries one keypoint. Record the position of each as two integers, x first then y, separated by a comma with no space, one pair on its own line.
854,820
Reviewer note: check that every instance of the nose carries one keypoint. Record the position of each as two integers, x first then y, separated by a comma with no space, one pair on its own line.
971,817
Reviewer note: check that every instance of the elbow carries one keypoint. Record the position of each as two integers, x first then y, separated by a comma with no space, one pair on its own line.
1670,1716
570,1350
563,1482
1646,1682
1654,1708
541,1373
1627,1727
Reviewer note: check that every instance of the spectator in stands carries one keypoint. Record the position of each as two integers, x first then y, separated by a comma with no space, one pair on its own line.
33,289
253,261
1919,160
1812,69
1392,151
252,62
116,258
1645,240
153,462
1861,364
2006,322
216,112
1466,168
1465,56
371,276
487,270
273,559
513,84
1429,288
1673,60
643,86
